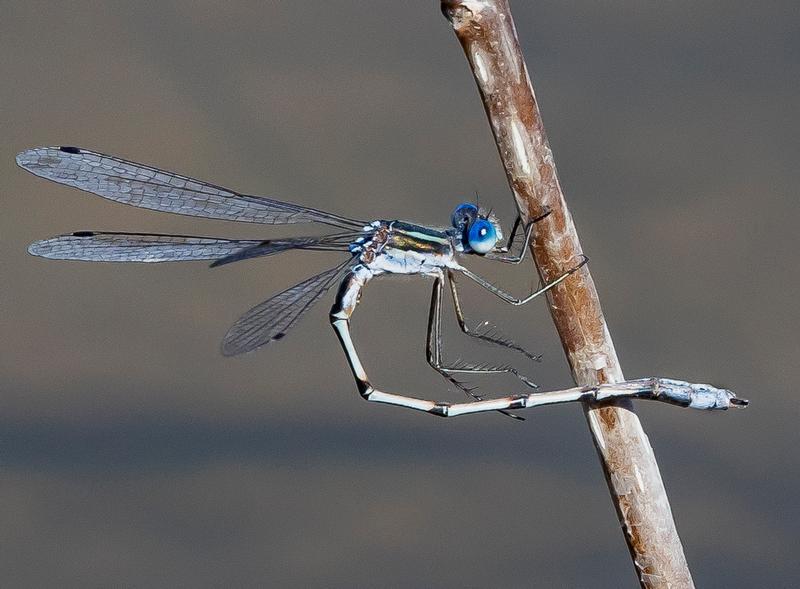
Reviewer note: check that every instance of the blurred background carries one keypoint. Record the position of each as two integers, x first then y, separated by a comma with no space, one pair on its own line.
134,454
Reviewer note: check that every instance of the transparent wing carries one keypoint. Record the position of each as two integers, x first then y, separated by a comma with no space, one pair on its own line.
95,246
269,247
271,319
98,246
143,186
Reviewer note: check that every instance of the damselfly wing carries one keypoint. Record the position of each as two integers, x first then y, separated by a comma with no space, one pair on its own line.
147,187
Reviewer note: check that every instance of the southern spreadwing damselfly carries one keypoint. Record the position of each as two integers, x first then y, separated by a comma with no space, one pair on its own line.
372,249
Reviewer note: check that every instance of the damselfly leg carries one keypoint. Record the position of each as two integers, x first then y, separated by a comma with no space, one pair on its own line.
434,353
491,335
503,254
484,331
511,299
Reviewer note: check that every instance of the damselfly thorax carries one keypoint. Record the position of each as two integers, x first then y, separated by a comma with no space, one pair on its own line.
399,247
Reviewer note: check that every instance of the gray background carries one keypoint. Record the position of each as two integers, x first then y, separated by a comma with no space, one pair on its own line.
133,454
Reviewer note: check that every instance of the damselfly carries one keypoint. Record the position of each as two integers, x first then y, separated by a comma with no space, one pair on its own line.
373,249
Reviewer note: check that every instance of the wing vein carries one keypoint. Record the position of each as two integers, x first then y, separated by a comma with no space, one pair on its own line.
272,319
146,187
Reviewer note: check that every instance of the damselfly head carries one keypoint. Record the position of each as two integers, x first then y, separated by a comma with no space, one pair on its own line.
478,229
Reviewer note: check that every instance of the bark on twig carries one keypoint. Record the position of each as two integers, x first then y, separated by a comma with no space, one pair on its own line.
487,35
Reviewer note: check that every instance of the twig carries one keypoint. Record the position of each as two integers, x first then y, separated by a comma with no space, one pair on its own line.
487,34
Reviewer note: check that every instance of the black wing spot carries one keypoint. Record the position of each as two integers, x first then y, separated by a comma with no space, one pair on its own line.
68,149
83,234
278,336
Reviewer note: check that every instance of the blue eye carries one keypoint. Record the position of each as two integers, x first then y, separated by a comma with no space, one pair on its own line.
464,215
482,236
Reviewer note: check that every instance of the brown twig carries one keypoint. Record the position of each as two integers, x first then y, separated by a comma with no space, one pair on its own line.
487,35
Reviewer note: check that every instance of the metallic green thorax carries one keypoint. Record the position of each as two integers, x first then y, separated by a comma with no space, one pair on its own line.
408,237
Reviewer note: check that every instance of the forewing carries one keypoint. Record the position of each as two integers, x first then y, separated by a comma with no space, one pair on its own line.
143,186
95,246
273,318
